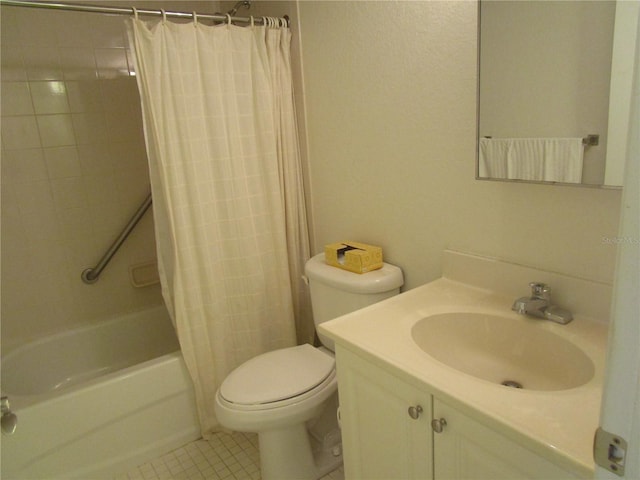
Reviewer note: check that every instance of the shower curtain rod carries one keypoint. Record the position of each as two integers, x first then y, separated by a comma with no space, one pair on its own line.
77,7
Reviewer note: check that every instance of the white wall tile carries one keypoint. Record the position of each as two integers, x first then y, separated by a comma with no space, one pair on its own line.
78,63
42,63
23,166
10,27
62,162
20,132
56,130
16,99
108,32
84,96
34,198
79,31
49,97
37,28
90,127
95,160
66,192
69,193
111,62
13,68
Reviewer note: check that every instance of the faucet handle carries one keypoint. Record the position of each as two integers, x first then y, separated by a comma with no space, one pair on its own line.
540,290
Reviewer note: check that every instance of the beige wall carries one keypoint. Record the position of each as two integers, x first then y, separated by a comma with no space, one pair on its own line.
390,91
73,169
390,99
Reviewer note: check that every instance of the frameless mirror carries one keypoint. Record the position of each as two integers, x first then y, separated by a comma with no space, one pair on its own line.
554,90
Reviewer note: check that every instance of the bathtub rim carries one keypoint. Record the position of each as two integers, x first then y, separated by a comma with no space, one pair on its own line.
173,393
15,349
23,402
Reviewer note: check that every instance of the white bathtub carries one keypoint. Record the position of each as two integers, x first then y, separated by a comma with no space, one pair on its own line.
97,401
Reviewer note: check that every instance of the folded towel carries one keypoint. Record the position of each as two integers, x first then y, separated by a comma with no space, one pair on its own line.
538,159
493,158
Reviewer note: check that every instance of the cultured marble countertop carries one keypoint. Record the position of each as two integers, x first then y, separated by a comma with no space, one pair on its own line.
558,425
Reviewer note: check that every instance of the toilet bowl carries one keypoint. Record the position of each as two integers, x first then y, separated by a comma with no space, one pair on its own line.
275,394
290,396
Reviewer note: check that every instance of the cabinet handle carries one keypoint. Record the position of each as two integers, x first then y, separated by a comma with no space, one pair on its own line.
438,424
414,412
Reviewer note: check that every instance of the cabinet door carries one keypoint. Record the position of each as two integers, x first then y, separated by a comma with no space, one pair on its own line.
468,449
380,438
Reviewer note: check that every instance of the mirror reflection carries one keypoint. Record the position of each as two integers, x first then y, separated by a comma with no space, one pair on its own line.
544,90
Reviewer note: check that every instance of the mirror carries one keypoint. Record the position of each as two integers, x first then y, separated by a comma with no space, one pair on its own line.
545,85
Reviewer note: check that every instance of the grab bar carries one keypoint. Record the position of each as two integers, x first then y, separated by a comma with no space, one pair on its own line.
90,275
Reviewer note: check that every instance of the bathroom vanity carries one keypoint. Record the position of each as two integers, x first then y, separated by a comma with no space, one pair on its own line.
427,379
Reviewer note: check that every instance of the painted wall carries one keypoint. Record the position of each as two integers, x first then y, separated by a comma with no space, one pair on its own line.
74,169
389,96
390,91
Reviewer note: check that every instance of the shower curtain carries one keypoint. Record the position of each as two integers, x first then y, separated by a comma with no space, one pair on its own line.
227,191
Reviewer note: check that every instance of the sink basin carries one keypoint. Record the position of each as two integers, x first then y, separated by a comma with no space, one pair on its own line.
507,351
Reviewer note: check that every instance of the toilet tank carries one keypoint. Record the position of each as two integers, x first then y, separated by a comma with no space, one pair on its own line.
336,292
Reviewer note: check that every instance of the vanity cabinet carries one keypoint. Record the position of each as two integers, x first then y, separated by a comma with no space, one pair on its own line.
387,433
468,449
380,438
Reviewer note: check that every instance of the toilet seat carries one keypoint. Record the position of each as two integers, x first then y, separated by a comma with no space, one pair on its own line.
278,378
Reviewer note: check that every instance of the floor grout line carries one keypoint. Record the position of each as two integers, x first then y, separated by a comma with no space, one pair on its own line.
225,456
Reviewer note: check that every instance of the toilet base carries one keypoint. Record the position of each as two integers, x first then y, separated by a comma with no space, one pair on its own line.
286,454
326,459
304,451
292,454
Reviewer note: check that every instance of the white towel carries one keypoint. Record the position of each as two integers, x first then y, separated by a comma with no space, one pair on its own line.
493,158
538,159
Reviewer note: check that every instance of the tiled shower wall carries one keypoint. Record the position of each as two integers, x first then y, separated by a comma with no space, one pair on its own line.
74,170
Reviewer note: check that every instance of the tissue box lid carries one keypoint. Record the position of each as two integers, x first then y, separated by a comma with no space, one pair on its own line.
355,257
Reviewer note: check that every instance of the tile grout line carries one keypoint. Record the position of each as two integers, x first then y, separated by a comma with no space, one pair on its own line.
225,456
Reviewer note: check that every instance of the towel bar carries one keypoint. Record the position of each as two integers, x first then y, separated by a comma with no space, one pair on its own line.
590,140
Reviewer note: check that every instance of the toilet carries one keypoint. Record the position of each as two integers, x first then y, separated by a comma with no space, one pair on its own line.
289,397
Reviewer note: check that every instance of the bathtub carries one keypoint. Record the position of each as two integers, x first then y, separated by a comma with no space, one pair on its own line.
97,401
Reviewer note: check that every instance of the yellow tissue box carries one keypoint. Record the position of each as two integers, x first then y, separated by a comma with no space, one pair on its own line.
353,256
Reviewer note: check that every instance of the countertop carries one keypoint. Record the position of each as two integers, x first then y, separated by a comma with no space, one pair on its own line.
558,425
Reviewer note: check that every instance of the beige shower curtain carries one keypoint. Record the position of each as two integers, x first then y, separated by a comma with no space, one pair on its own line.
227,191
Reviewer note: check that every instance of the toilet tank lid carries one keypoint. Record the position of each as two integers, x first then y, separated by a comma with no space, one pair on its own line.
387,278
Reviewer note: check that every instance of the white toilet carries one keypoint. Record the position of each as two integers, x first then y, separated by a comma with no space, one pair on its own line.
290,396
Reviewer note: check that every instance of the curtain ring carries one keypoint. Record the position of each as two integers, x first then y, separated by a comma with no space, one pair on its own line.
135,12
164,16
195,19
228,19
252,22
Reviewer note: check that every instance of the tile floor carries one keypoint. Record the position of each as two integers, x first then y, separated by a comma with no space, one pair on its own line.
223,457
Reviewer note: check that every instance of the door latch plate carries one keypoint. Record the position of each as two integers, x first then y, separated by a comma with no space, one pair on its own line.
609,451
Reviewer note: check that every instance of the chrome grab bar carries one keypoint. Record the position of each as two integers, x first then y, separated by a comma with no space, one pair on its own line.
90,275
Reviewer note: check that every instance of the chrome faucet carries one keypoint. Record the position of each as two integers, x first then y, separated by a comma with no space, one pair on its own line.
539,305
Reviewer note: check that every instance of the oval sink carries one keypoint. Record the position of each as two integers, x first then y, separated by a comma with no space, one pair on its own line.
507,351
